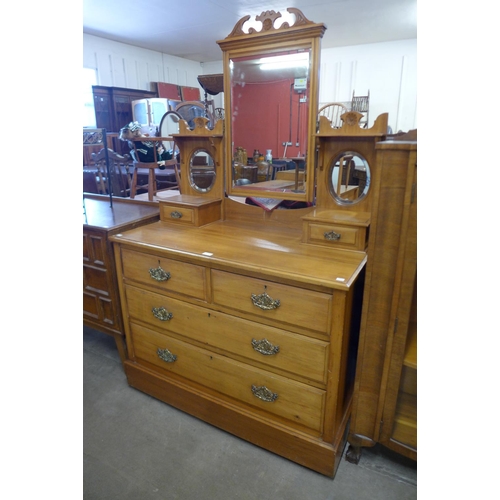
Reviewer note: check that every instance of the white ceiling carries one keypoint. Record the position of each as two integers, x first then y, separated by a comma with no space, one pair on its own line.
190,28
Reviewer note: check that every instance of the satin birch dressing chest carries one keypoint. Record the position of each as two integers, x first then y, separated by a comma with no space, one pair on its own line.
248,317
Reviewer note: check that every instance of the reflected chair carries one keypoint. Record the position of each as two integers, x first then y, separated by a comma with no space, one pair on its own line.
219,114
333,111
361,104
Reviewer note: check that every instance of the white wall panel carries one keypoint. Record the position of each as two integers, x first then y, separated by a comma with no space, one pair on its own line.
388,70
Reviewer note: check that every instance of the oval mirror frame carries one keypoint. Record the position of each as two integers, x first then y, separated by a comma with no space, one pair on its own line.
349,178
202,171
275,38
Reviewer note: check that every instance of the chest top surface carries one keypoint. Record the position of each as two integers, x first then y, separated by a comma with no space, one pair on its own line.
254,250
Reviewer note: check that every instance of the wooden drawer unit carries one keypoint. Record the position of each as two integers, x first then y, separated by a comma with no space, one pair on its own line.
170,275
247,384
277,349
233,339
273,302
347,230
191,210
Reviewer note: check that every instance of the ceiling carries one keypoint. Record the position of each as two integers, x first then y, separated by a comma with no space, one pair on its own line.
190,28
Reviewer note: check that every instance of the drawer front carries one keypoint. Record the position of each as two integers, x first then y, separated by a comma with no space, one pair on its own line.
290,306
172,213
281,350
183,278
337,236
286,398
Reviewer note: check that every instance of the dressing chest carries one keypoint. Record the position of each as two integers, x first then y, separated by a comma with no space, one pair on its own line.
244,317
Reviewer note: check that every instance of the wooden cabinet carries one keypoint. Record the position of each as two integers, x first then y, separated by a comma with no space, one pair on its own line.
385,398
113,110
101,303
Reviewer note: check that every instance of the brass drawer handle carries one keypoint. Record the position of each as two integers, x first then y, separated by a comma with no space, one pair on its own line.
159,274
264,393
265,347
166,355
332,236
162,314
175,214
265,302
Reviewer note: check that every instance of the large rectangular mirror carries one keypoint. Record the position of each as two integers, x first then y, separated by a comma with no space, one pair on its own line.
271,102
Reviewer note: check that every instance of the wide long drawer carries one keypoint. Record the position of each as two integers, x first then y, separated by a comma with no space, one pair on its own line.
168,274
296,354
269,301
272,393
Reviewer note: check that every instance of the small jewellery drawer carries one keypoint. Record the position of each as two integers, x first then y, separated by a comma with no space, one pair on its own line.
171,275
337,236
190,210
297,355
172,213
269,301
258,388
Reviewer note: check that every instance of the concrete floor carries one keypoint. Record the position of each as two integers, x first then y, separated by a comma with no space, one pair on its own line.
138,448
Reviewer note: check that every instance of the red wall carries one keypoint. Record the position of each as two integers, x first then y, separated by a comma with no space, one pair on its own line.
262,118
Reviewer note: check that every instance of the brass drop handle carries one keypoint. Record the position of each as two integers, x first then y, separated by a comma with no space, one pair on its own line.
332,236
264,394
166,355
159,274
175,214
162,314
265,347
264,301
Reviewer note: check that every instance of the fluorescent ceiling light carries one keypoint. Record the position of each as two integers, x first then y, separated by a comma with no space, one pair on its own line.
297,60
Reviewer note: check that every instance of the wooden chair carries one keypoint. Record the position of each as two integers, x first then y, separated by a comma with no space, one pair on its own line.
333,111
361,104
118,172
151,168
152,185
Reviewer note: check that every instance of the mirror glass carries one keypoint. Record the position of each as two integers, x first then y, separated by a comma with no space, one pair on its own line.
201,171
269,122
349,178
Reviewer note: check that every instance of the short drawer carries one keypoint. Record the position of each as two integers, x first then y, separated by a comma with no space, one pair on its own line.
173,213
274,302
258,388
168,274
298,355
336,236
190,210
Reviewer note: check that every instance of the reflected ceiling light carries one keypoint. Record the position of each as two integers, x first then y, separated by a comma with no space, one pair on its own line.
298,60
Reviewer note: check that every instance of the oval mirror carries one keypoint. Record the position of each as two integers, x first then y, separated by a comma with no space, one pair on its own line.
349,178
201,171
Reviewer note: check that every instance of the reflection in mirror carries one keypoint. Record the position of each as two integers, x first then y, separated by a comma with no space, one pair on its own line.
201,171
269,111
349,178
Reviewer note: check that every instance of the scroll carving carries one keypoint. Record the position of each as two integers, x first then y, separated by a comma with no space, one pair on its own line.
268,19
